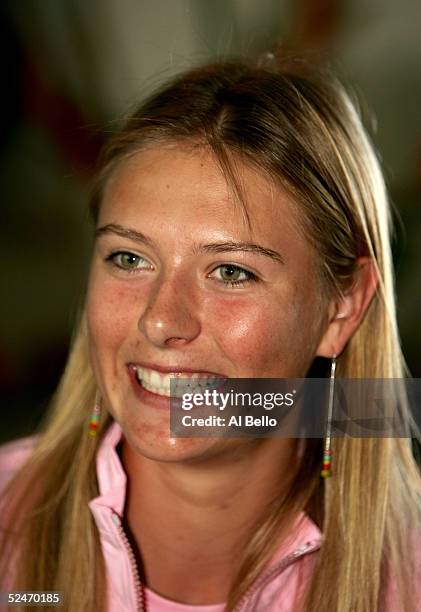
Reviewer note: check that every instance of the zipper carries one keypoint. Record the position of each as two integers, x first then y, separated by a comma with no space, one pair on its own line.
261,582
140,593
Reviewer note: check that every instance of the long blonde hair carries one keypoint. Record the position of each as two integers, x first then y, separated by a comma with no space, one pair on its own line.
301,129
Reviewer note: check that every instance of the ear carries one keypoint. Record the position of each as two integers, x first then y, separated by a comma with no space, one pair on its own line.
347,312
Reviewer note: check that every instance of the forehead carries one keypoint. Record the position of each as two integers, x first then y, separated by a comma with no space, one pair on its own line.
186,188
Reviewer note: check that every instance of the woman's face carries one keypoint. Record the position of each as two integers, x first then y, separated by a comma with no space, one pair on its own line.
180,283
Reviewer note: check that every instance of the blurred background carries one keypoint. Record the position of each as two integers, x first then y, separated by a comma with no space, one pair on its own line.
71,68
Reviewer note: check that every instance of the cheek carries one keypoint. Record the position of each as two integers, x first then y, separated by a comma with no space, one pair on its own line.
110,313
256,335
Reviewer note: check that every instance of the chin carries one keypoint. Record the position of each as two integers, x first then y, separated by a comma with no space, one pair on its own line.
158,445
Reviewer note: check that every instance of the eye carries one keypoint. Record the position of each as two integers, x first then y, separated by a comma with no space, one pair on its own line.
233,275
128,262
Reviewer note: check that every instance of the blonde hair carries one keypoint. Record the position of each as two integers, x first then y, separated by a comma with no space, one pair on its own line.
302,130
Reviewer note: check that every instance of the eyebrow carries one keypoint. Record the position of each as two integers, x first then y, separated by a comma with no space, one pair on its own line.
214,247
125,232
224,247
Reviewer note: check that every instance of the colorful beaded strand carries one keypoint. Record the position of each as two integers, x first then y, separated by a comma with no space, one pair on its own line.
326,471
93,423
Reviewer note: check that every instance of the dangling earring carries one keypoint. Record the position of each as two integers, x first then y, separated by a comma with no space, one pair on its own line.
327,451
95,414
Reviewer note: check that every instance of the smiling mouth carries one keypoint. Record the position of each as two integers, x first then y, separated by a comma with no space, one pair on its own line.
174,384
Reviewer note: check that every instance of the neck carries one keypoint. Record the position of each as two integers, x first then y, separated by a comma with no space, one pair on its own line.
194,519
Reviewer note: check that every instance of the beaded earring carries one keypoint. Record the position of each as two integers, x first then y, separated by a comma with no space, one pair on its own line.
327,451
95,414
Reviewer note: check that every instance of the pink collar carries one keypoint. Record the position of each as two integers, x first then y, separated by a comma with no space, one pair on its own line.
111,476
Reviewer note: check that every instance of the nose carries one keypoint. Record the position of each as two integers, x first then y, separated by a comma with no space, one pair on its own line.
170,317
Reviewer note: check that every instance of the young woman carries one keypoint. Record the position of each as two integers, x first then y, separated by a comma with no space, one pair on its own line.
242,231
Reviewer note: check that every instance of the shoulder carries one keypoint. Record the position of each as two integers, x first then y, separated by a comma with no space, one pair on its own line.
13,455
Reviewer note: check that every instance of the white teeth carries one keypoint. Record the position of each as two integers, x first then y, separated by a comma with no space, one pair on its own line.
160,383
154,379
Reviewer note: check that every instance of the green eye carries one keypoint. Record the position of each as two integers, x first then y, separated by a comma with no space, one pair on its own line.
231,273
128,260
